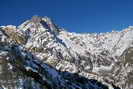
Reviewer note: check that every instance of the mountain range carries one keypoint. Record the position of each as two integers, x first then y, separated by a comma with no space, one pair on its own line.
38,54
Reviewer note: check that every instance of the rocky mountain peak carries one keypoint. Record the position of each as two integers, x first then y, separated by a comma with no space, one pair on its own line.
39,24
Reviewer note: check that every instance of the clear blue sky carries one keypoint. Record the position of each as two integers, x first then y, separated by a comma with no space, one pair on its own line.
74,15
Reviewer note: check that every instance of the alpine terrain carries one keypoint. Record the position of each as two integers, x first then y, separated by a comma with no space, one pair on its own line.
39,54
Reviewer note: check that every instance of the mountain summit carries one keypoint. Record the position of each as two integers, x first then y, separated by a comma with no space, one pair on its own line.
40,55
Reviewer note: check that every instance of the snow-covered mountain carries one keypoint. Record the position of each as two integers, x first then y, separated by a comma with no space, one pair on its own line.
38,54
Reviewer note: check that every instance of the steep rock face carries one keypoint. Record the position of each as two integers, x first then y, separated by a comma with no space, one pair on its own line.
79,61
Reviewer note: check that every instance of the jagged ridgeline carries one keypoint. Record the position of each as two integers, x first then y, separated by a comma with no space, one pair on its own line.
38,54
